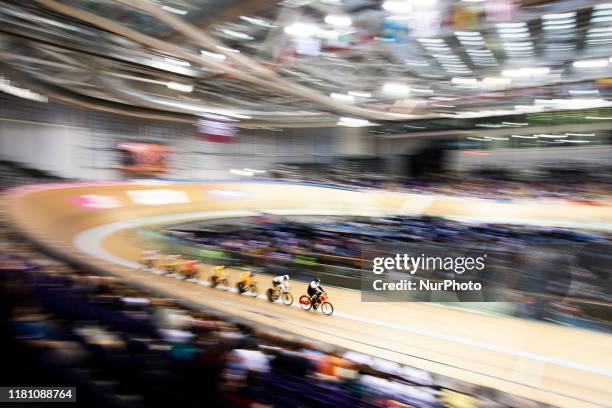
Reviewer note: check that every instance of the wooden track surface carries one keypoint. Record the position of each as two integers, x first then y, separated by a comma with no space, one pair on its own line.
549,363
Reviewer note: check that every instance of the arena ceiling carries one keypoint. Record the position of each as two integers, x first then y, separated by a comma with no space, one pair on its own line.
314,62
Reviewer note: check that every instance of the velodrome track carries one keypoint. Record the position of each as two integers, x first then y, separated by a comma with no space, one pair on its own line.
549,363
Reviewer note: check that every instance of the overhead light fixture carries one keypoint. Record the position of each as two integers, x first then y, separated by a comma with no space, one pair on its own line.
598,117
343,97
228,49
353,122
212,55
396,89
338,20
464,81
524,137
255,171
397,6
545,136
511,25
7,87
593,63
467,33
177,86
257,21
525,72
360,94
239,172
302,29
174,10
515,124
236,34
559,16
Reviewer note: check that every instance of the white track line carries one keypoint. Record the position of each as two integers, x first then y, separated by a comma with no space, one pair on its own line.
90,242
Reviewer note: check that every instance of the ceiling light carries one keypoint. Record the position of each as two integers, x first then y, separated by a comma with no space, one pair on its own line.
513,30
598,117
360,94
173,10
545,136
558,16
464,81
7,87
524,137
228,49
593,63
397,6
558,27
338,20
353,122
238,172
236,34
177,86
257,21
525,72
343,97
396,89
212,55
302,30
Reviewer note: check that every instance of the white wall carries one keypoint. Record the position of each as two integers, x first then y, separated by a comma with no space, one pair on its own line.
77,143
39,146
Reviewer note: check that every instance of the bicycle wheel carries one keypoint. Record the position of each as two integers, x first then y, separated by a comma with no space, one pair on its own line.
254,291
305,302
287,299
327,308
240,287
224,282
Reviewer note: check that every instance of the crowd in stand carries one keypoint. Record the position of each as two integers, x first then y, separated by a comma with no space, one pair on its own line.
124,348
551,184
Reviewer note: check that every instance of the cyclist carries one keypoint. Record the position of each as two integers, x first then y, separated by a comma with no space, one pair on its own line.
280,283
218,274
246,281
314,291
149,257
191,268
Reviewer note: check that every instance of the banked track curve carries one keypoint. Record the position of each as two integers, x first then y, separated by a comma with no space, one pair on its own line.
553,364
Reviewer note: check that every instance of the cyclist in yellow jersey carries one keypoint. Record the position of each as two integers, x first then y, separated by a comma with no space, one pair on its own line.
246,277
218,276
219,272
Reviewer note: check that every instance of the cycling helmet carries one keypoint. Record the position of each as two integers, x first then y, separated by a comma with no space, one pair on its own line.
317,280
286,277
